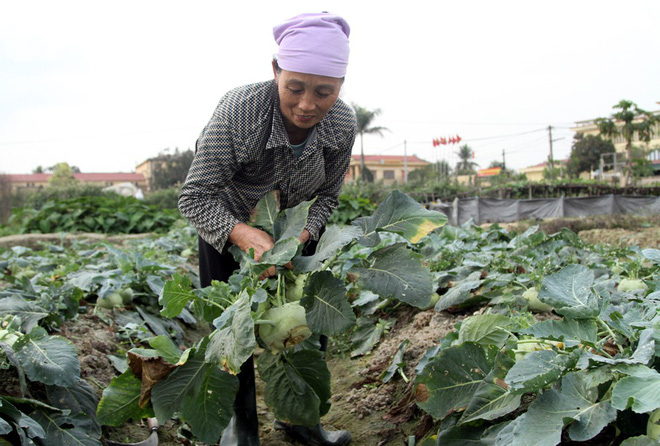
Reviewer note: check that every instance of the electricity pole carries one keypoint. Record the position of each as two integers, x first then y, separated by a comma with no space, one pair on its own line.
503,161
405,161
551,161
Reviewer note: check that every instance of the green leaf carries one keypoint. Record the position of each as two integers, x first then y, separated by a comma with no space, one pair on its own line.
332,241
397,272
235,342
640,391
79,398
5,428
282,252
166,348
292,221
209,408
538,370
485,329
288,394
368,334
68,430
652,254
546,417
119,401
48,359
29,313
327,310
569,292
402,215
312,367
449,382
176,295
266,211
23,421
397,364
199,390
460,293
643,353
567,330
641,440
492,398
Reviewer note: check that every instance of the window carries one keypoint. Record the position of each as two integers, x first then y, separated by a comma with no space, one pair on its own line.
388,174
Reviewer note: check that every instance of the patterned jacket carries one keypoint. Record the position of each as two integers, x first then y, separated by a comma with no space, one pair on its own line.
244,152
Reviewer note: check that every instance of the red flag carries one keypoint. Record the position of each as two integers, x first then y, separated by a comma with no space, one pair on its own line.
452,140
443,140
436,142
458,139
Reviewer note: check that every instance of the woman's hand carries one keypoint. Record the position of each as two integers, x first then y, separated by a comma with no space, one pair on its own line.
247,237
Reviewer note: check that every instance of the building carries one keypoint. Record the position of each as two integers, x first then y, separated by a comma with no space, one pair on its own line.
385,168
589,127
146,169
535,173
36,181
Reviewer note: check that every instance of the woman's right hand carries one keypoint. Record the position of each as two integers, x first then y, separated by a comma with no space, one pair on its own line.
246,237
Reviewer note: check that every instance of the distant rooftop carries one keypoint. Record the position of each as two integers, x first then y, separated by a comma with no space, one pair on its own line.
389,158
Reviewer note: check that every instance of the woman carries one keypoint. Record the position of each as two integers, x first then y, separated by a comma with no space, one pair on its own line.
292,134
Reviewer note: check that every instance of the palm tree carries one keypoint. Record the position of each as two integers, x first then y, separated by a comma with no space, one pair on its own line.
631,120
364,120
465,165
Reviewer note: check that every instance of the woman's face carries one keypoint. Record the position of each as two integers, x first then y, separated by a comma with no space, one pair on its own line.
305,98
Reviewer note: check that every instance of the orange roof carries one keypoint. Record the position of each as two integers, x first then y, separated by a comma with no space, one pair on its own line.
378,158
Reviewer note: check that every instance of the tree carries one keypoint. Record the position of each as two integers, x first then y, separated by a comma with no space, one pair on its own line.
364,120
5,198
627,122
170,170
432,173
465,165
586,153
62,176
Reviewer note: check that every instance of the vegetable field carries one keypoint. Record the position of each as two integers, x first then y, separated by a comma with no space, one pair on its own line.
438,335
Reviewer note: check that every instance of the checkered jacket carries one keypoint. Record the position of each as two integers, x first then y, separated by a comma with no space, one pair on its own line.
244,152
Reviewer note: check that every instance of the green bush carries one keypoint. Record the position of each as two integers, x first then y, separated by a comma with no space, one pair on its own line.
105,214
351,207
37,199
163,198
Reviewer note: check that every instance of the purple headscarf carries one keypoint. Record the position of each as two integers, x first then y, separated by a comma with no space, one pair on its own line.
314,43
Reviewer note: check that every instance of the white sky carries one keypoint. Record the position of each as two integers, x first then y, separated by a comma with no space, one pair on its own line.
106,85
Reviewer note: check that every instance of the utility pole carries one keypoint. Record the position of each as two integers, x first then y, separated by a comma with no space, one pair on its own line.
503,161
551,161
405,162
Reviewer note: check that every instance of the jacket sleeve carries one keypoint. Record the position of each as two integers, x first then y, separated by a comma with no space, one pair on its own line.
213,166
337,161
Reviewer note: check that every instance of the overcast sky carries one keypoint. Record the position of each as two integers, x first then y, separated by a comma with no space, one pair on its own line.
106,85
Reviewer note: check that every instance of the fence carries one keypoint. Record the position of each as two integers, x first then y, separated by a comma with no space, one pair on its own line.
494,210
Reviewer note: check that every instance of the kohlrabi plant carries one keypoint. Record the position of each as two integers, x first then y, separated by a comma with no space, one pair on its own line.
283,315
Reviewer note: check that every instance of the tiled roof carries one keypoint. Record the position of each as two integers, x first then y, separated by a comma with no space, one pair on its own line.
378,158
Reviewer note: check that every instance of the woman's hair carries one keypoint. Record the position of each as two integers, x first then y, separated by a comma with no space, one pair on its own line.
276,65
